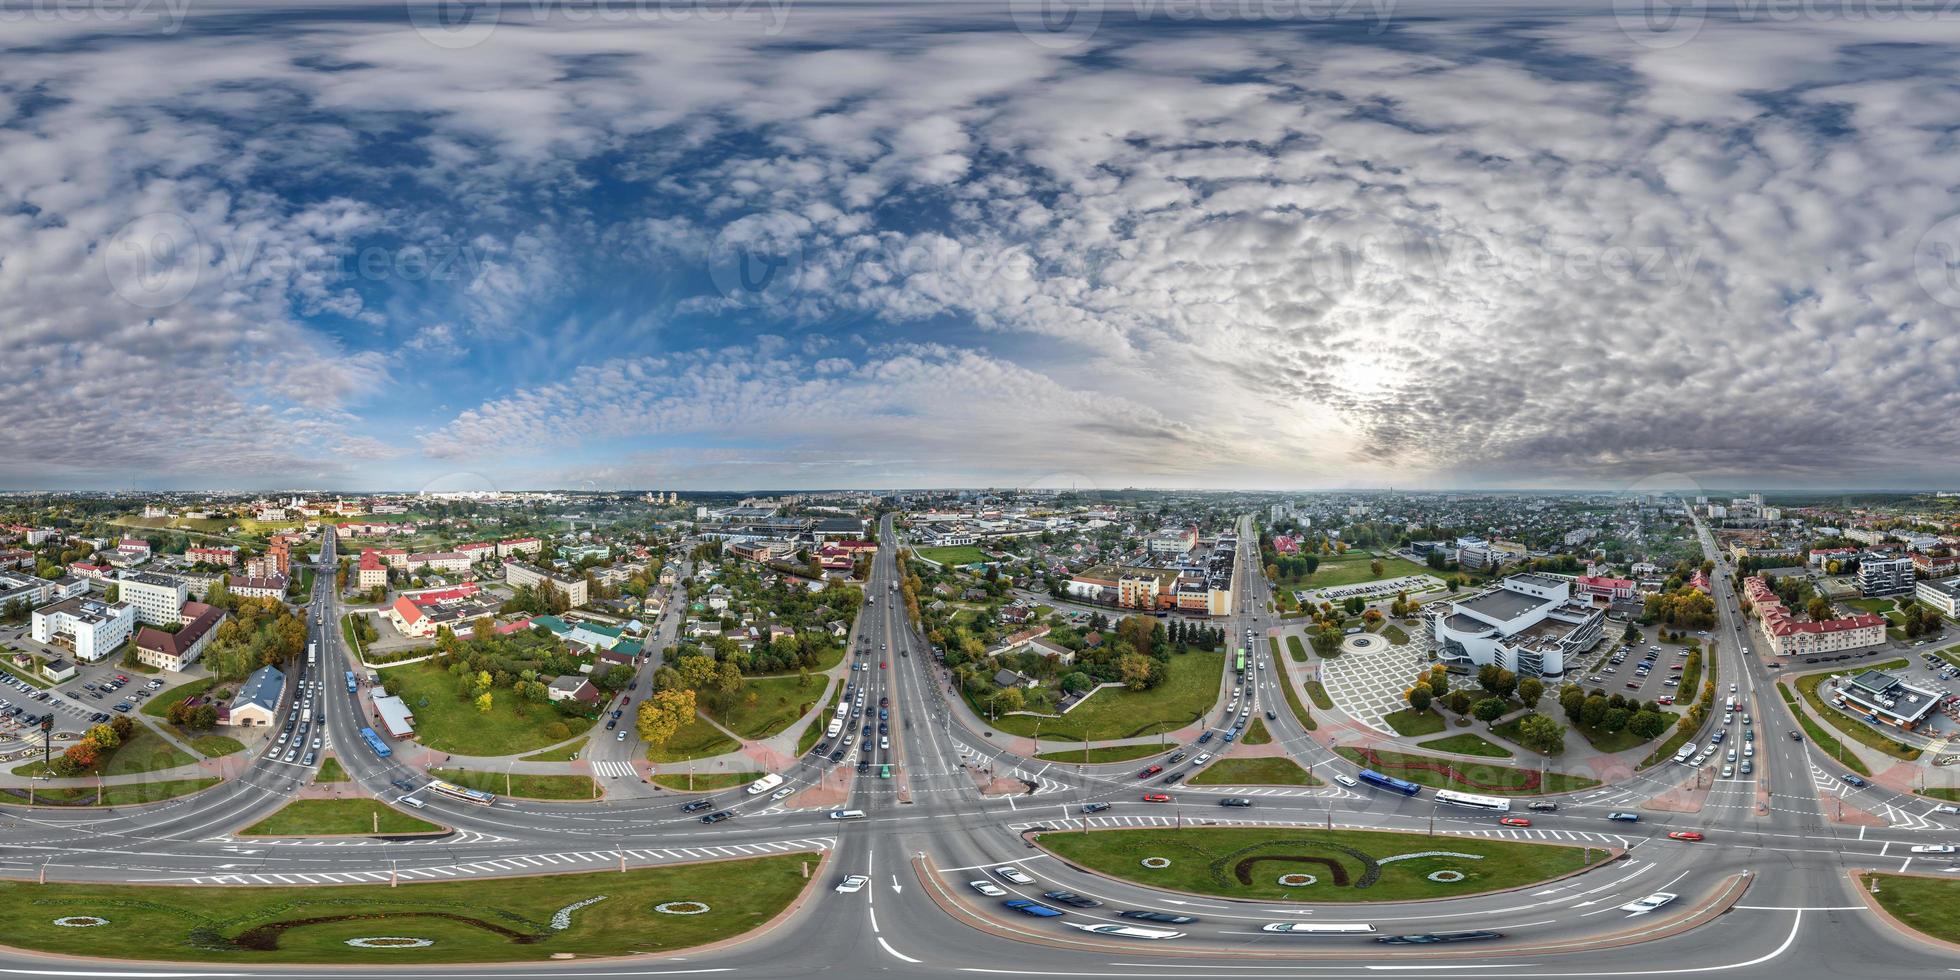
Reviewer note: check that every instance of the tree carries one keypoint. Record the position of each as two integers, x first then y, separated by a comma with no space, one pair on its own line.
1375,568
1325,642
1489,710
1541,734
483,702
1593,710
1134,671
1614,720
663,713
1420,698
1818,609
1009,699
1530,690
1648,725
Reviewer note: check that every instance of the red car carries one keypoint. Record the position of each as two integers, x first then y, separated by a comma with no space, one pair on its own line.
1156,798
1515,822
881,665
1669,699
1684,835
1149,771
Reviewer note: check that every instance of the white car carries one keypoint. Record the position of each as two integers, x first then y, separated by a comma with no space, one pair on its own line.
1933,848
1128,932
1644,905
1008,872
852,884
987,888
782,793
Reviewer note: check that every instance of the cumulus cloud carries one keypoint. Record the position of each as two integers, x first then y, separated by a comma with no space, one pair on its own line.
1510,243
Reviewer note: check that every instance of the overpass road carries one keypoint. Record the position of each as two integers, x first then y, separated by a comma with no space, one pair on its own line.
1768,894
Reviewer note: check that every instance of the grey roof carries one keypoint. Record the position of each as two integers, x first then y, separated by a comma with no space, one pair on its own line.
263,688
1502,604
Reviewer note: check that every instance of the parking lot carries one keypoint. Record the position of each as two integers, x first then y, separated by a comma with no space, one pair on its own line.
1645,670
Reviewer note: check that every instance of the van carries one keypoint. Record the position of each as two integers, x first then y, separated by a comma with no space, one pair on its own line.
847,814
413,801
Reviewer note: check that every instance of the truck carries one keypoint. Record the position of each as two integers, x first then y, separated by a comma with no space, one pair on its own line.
765,784
312,654
1687,752
836,727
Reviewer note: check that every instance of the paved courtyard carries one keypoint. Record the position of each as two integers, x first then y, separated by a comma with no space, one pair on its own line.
1367,680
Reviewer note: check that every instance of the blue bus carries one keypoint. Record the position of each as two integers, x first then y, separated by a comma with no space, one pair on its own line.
381,749
1401,786
350,682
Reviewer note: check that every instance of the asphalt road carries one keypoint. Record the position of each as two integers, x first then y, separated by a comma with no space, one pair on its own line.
928,832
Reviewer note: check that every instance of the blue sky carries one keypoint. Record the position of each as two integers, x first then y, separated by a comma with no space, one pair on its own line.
1162,243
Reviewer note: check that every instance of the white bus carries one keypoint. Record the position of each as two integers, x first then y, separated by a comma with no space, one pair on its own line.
1473,801
311,653
765,784
1687,752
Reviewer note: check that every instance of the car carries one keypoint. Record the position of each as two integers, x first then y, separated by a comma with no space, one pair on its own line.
1028,907
696,806
1346,780
1145,915
1796,736
1176,757
837,755
1008,872
882,665
1156,798
987,888
1727,770
1748,767
781,794
1933,848
1684,835
1514,821
1270,716
1853,779
1624,816
852,884
1641,906
620,736
1205,737
1426,938
1127,932
718,816
1071,899
1235,801
1149,771
611,725
1094,807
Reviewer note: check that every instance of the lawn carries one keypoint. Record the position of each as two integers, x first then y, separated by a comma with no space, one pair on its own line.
1345,865
1296,650
447,723
159,706
964,554
814,733
1467,777
145,751
697,740
1849,725
1256,733
1409,724
1293,702
1819,736
1351,569
330,771
779,700
703,782
1465,743
470,921
522,785
1185,695
338,818
211,746
1395,634
563,753
1272,771
1103,753
1318,692
23,675
1929,905
123,794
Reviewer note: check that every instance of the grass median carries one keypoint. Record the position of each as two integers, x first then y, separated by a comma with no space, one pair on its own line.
478,920
1320,866
523,785
1271,771
1104,754
1466,777
1293,703
338,818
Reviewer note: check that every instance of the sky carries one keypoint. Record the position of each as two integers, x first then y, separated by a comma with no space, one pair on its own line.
727,244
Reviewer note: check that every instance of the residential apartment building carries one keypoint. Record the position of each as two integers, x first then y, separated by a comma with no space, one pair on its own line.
519,573
519,546
1885,575
441,561
1934,566
247,587
159,599
371,571
1787,636
1939,594
88,628
176,651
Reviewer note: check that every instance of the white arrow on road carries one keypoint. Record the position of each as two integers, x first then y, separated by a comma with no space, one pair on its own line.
896,888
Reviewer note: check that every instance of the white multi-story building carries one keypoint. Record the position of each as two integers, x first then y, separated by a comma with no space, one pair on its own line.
1940,594
90,628
159,599
1528,624
442,561
517,573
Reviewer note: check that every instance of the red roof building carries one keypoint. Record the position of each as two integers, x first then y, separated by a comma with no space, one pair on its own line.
1789,636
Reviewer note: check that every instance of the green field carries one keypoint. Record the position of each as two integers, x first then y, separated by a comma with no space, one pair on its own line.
1293,703
696,740
1467,777
1189,690
522,785
324,818
145,751
330,771
779,701
1273,771
1104,753
1296,650
116,794
210,746
703,782
1464,743
1351,569
1929,905
447,723
1347,863
1409,724
964,554
1819,736
478,920
159,706
563,753
1395,634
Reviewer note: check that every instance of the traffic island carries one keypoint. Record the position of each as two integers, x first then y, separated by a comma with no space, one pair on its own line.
660,910
341,818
